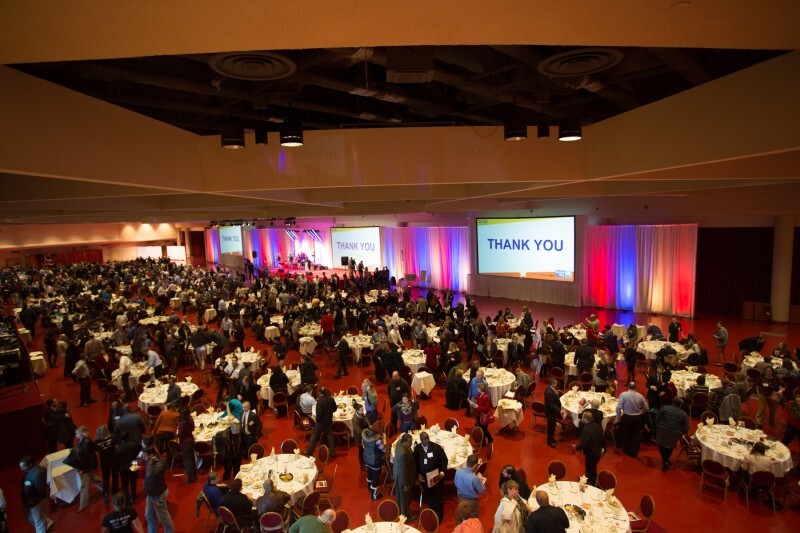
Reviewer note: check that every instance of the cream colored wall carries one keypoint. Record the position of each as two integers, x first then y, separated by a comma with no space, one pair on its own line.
51,236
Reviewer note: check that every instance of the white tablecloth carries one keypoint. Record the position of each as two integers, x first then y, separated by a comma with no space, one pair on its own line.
385,527
311,330
266,391
65,481
413,359
509,411
175,303
38,364
716,442
272,333
307,345
277,320
252,357
683,379
572,369
600,517
358,343
344,409
210,314
158,395
651,348
578,333
751,361
136,371
500,381
456,447
302,469
25,334
423,382
570,402
207,425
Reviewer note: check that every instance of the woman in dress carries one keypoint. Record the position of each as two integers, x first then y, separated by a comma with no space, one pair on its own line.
484,409
512,513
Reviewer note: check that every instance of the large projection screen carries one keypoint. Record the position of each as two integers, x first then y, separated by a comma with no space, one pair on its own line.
230,240
363,244
533,248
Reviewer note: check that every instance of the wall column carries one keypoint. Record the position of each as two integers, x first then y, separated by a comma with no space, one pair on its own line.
783,241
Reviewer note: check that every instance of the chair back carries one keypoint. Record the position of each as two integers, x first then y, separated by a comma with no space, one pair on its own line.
450,423
154,410
573,384
482,467
279,398
271,522
310,503
753,375
339,428
476,437
556,468
557,373
388,511
730,368
606,480
390,431
522,474
227,517
174,448
352,390
428,521
709,414
538,408
749,422
647,507
762,479
203,448
198,409
422,421
713,468
289,446
144,378
341,522
257,449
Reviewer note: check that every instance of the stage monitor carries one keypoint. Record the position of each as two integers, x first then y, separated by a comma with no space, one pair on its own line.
230,240
533,248
364,244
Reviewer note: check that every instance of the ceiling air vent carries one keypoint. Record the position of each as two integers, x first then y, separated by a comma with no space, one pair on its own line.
579,62
252,66
409,64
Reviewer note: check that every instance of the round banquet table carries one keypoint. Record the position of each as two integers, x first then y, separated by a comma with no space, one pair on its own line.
600,516
137,369
385,527
423,382
302,469
153,320
357,343
38,364
500,382
210,314
272,333
307,345
311,330
456,447
266,390
207,425
277,320
572,369
244,357
413,359
683,379
158,395
578,333
509,411
750,361
729,446
344,409
570,402
651,348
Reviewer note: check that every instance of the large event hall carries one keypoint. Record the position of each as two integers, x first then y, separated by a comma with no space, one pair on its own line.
391,267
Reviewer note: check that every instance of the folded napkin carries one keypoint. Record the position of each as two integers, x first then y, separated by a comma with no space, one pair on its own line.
741,423
582,480
453,430
699,425
401,519
272,453
435,427
296,451
709,421
368,520
731,421
341,393
574,389
552,478
610,492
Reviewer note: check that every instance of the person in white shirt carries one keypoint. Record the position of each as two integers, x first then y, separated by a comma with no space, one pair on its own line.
232,370
307,401
122,320
394,336
227,325
125,365
154,362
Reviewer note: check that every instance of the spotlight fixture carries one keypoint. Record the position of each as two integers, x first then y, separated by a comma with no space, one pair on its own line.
515,132
261,135
231,136
292,134
543,131
569,129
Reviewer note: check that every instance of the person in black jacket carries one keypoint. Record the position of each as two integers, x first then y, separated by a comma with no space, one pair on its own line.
584,357
552,408
104,443
431,457
343,349
546,519
557,354
308,371
239,504
592,445
124,457
326,406
86,464
34,494
229,450
58,425
507,473
155,487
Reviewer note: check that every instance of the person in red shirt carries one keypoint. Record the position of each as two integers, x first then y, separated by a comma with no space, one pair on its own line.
326,323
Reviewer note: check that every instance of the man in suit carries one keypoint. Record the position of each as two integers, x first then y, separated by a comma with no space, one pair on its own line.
431,457
326,406
405,473
130,424
546,519
552,409
251,426
239,504
558,353
173,394
592,445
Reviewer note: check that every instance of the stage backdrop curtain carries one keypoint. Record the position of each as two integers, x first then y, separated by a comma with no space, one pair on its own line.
644,268
268,243
442,252
212,245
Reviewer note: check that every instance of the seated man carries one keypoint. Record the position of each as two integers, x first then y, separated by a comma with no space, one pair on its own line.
214,491
273,501
239,504
307,401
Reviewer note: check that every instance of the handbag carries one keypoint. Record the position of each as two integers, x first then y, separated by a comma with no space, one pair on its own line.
486,419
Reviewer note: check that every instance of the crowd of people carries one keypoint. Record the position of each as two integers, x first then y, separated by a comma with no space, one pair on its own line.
90,311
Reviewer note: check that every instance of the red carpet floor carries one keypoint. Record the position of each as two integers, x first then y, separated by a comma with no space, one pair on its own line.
678,506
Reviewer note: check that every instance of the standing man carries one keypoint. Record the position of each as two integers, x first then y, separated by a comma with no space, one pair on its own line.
546,519
251,426
34,494
674,331
125,365
431,457
552,410
672,422
469,486
591,442
154,362
396,387
84,376
155,487
631,410
722,340
343,348
326,406
404,472
374,452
